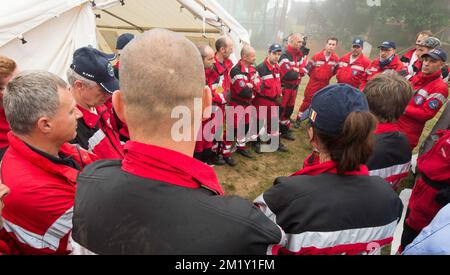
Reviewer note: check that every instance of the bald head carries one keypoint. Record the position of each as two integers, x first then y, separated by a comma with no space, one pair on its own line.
159,71
207,54
295,40
224,47
248,54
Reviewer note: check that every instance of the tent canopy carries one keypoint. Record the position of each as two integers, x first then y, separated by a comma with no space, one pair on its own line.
44,34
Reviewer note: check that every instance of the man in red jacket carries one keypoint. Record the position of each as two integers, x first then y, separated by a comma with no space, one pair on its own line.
431,94
270,98
92,82
353,65
245,84
221,84
432,189
412,56
8,68
388,60
40,167
321,68
293,62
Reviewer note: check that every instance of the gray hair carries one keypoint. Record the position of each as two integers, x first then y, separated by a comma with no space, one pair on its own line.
30,96
73,76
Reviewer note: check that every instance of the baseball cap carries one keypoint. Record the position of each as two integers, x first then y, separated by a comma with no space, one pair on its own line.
438,54
358,42
275,48
331,106
387,45
123,40
93,65
431,43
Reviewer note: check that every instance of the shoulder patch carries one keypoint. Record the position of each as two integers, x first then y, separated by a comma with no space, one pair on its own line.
418,100
242,84
434,104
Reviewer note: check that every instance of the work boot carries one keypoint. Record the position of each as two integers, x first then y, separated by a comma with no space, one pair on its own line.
230,161
217,160
298,124
245,153
282,148
258,148
288,136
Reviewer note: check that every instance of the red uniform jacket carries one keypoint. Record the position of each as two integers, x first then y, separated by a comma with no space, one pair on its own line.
241,77
376,68
290,61
434,167
271,81
4,129
352,74
320,70
38,210
215,80
96,134
223,69
431,94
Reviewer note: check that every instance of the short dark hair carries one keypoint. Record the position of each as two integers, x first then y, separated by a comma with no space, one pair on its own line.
334,39
221,43
388,95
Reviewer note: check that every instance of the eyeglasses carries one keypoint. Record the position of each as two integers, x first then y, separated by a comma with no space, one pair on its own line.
356,47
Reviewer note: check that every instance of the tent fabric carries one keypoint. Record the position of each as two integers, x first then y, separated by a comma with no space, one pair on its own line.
54,29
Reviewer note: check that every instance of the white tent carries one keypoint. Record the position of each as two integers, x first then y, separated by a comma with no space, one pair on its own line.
43,34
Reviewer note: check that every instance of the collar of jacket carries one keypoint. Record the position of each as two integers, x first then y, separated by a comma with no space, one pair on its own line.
251,69
4,128
329,167
296,53
273,68
44,163
226,65
90,118
161,164
423,79
387,128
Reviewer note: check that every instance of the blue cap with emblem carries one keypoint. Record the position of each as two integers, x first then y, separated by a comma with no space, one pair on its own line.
275,48
358,42
331,106
438,54
123,40
93,65
387,45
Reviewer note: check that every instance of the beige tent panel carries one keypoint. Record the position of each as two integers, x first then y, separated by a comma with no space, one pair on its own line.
139,15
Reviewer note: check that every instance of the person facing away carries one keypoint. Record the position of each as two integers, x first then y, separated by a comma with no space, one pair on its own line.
159,199
40,167
388,95
335,207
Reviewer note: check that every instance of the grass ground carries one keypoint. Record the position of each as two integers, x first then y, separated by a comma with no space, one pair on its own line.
251,177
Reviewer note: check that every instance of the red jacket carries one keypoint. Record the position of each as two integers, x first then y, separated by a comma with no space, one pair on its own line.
435,174
241,77
38,210
4,129
117,125
271,81
431,94
215,81
291,61
96,134
321,70
352,74
224,71
375,68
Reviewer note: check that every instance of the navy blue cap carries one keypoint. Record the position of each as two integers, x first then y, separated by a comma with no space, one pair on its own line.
123,40
358,42
93,65
438,53
275,48
331,106
387,45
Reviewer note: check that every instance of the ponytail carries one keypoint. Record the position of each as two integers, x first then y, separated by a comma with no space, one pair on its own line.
354,145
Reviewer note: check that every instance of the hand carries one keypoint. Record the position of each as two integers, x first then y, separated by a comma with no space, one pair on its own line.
278,100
